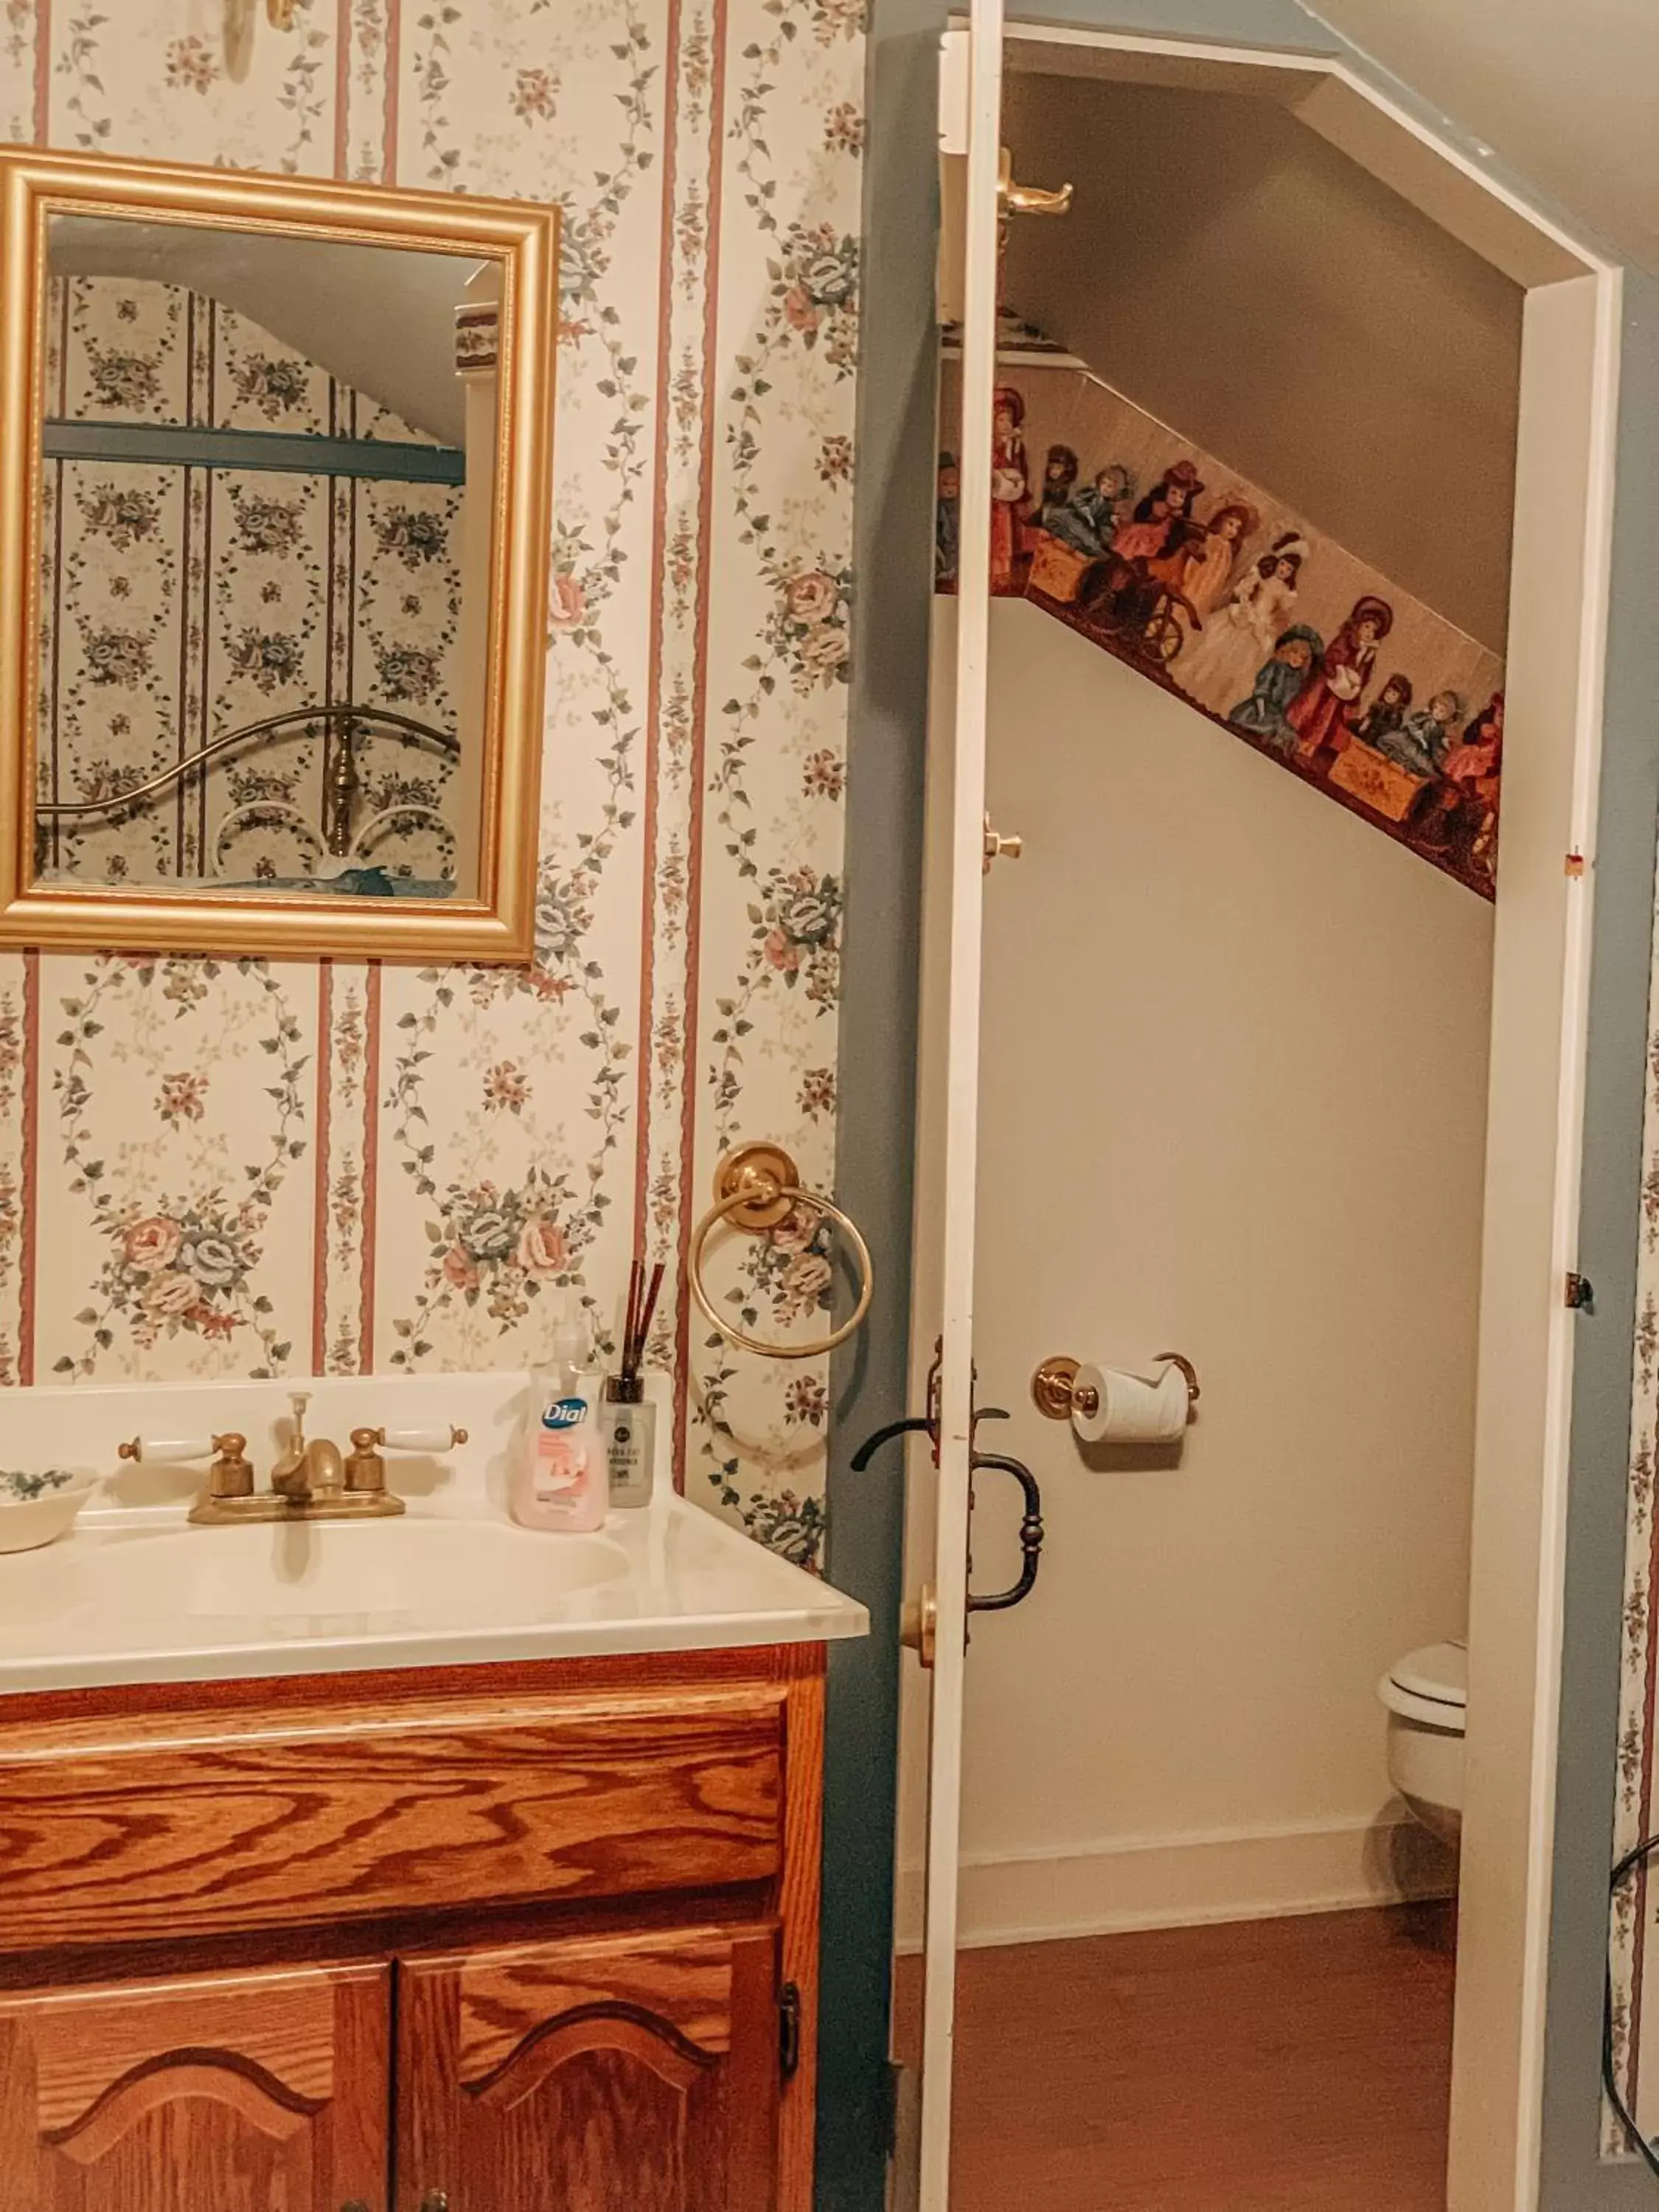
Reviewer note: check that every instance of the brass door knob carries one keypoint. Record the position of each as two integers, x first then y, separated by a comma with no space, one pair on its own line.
998,848
919,1624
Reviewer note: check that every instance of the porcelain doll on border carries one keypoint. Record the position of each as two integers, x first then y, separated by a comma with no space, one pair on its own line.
1386,714
1324,713
1054,507
1091,515
1217,668
1462,808
947,523
1278,681
1010,486
1214,558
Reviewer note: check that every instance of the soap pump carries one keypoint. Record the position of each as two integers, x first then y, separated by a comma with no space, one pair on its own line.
560,1481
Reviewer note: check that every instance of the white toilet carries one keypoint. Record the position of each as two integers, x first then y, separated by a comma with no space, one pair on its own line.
1427,1696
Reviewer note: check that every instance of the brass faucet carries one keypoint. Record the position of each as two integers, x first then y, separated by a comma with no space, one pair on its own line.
312,1479
308,1471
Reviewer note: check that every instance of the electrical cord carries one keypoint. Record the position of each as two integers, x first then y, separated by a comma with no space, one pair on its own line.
1621,1874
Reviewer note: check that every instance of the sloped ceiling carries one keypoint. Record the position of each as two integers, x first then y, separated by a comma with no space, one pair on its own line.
381,319
1565,90
1240,279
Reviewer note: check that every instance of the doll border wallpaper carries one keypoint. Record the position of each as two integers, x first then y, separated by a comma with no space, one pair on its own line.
1203,583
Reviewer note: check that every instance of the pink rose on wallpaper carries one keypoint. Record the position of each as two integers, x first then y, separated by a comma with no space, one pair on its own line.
806,1279
151,1244
170,1294
542,1250
812,596
569,604
461,1270
825,651
796,1230
799,311
780,953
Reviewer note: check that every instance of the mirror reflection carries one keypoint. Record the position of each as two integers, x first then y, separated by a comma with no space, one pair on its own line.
267,485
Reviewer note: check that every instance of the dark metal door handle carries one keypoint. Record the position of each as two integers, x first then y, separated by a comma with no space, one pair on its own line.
1030,1535
918,1423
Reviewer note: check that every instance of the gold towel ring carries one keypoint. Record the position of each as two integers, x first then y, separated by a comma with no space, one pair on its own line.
757,1189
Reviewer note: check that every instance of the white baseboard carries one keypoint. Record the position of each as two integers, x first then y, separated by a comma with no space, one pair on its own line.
1183,1880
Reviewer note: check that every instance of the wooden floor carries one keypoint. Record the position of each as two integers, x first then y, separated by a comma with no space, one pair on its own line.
1266,2066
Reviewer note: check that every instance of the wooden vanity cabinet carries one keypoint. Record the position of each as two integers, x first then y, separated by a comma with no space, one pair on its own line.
262,2092
483,1940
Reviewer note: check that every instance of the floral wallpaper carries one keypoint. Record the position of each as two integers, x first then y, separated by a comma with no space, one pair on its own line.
1205,583
181,602
225,1167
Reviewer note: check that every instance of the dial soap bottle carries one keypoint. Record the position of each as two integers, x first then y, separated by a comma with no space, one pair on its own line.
561,1481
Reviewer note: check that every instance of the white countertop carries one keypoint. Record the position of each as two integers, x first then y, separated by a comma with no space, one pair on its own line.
121,1603
135,1594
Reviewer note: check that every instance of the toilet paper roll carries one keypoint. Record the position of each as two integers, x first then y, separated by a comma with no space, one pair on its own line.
1131,1409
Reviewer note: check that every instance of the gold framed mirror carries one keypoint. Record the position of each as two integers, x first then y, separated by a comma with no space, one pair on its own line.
274,513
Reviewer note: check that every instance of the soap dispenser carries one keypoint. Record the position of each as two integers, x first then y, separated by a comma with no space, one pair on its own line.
560,1481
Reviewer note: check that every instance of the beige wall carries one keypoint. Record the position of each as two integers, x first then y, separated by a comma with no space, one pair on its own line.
1233,1103
1563,94
1233,274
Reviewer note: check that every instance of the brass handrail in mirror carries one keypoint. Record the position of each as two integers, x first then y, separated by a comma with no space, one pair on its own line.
275,515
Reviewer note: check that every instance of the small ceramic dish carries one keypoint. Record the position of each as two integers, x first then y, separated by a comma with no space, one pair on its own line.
37,1508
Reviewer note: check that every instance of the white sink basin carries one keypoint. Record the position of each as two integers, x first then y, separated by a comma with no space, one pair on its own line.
127,1601
310,1573
310,1579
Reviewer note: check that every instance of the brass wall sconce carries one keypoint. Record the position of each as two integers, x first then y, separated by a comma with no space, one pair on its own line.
238,20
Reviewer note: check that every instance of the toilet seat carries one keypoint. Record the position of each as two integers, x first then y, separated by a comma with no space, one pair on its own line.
1429,1686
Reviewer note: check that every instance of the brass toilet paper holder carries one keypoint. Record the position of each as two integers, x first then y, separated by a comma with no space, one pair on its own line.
1055,1394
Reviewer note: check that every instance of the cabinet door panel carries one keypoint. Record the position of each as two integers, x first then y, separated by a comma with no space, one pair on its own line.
615,2073
238,2093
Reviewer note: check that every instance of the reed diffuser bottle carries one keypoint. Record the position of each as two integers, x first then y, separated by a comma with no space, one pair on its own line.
627,1421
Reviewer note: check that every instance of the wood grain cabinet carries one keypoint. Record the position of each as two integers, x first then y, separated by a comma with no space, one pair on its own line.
601,2076
237,2092
484,1941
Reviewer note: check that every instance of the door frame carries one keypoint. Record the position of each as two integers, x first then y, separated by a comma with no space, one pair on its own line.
1546,1581
1575,2175
896,433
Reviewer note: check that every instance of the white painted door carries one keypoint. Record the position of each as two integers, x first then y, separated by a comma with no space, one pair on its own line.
970,115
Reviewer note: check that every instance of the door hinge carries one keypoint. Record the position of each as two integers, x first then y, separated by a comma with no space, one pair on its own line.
789,2031
1581,1294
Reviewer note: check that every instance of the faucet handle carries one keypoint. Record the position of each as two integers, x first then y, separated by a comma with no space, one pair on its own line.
231,1475
421,1440
168,1451
365,1470
364,1467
